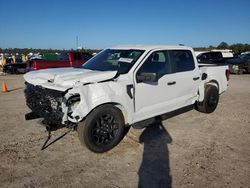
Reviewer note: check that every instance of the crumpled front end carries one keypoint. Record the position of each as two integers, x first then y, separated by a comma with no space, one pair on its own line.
71,106
65,107
79,101
44,103
64,95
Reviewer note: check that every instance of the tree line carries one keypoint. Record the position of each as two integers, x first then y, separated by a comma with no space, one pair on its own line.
236,48
26,51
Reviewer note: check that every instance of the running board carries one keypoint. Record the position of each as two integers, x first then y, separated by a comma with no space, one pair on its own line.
157,119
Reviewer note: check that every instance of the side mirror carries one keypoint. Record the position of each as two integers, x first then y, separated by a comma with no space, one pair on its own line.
146,77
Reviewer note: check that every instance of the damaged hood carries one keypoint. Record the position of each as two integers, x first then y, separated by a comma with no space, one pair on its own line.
67,77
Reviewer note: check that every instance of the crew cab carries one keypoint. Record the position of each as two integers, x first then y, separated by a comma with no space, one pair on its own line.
120,87
65,59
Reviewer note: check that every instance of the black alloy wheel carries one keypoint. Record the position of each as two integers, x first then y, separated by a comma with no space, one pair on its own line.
211,100
102,129
105,129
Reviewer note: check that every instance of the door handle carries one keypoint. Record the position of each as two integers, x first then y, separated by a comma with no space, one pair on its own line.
196,78
171,83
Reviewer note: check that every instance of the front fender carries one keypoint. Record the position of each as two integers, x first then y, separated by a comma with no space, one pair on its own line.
91,96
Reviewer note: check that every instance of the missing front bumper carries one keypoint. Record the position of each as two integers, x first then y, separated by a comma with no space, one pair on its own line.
44,103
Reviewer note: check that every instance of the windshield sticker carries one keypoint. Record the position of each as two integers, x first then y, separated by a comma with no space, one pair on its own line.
126,60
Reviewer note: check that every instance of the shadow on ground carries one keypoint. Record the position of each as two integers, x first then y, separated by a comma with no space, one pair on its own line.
154,170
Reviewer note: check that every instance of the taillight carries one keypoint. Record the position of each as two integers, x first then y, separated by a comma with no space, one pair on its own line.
227,74
34,66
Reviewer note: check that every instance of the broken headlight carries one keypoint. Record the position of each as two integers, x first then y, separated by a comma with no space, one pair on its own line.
72,104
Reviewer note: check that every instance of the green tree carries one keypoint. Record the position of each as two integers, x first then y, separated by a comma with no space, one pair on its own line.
223,45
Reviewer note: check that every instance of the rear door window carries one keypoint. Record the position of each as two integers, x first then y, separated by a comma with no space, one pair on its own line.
77,56
63,56
182,60
86,56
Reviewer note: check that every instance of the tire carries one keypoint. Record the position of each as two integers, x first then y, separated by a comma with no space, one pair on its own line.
102,129
126,130
210,101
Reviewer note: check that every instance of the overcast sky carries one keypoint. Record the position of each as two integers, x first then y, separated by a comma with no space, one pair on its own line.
105,23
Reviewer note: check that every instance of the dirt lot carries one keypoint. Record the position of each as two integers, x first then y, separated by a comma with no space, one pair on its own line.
189,150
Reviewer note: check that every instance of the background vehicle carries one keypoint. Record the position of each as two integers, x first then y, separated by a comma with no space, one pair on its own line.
14,64
246,58
123,86
216,57
226,53
66,59
15,68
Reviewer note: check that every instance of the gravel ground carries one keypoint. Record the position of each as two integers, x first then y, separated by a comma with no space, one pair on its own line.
188,150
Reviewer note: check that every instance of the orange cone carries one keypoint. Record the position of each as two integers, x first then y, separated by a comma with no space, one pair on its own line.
4,88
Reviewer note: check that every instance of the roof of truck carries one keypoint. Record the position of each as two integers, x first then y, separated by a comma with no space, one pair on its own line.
151,47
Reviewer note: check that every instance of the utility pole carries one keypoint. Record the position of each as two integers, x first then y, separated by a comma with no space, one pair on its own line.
76,42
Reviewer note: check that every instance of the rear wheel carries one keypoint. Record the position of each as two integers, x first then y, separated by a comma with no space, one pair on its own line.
102,129
210,101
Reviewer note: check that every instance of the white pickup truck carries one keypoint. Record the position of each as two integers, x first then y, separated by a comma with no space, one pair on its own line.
120,87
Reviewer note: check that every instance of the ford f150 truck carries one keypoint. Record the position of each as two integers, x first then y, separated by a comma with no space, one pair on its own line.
65,59
120,87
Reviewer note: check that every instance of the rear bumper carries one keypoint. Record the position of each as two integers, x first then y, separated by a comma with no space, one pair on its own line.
236,69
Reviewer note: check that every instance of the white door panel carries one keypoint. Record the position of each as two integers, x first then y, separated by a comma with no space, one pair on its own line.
153,98
159,98
172,91
187,86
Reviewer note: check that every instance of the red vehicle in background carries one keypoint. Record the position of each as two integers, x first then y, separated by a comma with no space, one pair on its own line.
65,59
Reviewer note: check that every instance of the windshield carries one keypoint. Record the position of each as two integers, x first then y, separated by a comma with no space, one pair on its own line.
245,56
114,60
